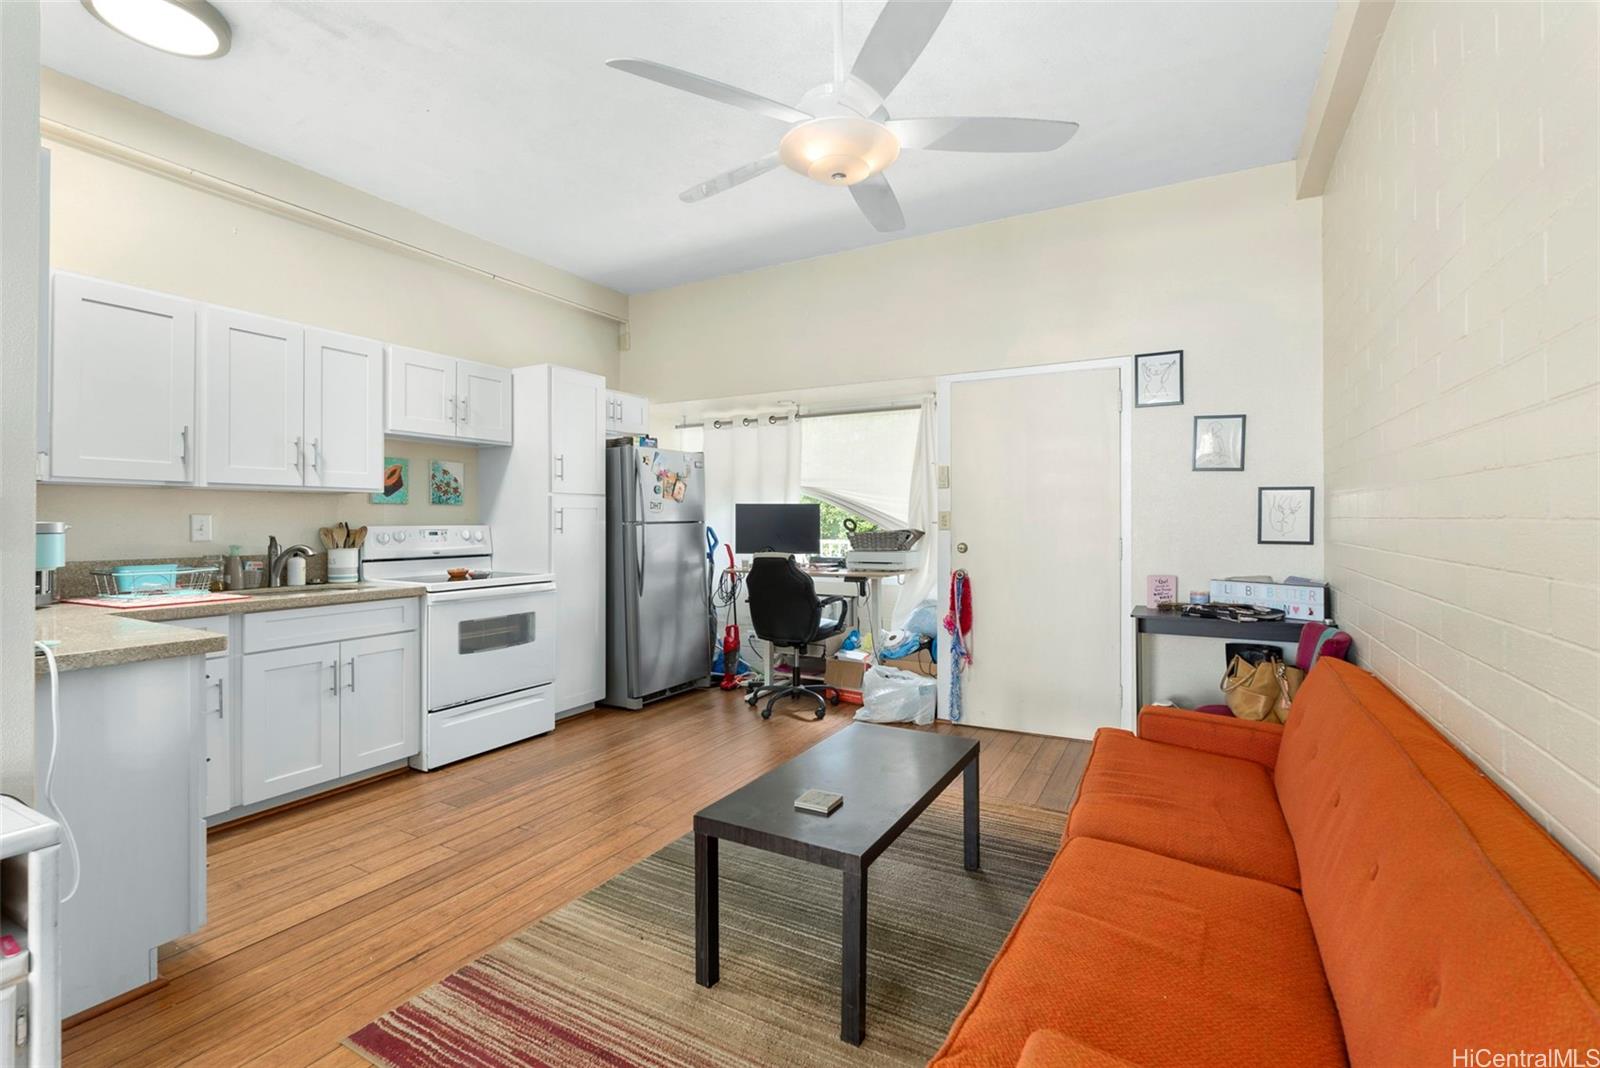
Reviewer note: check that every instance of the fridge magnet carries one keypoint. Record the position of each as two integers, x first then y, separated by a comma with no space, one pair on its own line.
1219,443
396,481
1285,515
1158,379
445,481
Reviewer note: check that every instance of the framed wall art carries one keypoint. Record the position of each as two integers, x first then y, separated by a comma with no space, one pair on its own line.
1286,515
1219,443
1158,379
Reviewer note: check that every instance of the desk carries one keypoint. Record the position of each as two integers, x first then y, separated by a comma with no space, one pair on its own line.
869,588
1148,620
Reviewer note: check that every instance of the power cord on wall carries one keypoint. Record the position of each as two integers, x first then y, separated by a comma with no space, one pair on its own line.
50,770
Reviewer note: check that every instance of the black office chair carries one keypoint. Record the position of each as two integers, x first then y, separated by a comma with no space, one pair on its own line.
787,613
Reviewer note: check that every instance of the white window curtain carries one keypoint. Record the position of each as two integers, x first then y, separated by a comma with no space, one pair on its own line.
923,514
861,462
749,460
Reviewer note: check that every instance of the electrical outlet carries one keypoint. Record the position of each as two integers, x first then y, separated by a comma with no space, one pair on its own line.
944,476
944,520
200,528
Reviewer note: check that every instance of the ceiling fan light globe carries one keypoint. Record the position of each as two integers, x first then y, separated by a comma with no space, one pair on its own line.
838,150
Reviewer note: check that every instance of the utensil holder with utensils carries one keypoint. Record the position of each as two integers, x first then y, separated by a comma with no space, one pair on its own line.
344,565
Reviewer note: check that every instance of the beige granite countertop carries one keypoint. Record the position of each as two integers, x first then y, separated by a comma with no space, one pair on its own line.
90,637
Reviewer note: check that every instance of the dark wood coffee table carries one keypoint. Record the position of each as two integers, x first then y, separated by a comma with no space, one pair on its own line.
887,775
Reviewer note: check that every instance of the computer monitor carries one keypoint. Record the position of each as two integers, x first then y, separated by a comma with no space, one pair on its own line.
777,528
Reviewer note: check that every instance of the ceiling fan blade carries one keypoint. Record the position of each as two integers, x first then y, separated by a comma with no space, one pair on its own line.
709,88
987,134
877,202
896,40
728,179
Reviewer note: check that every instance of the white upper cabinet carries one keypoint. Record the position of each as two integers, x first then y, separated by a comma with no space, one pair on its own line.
577,431
344,411
255,399
122,383
483,411
627,414
421,395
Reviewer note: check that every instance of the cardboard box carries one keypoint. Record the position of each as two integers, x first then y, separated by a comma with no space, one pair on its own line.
844,674
920,664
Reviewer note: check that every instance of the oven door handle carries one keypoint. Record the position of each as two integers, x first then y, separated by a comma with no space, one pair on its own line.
465,596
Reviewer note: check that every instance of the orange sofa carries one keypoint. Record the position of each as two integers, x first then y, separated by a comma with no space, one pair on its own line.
1346,889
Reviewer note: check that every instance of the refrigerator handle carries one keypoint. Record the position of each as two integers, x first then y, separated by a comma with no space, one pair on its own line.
638,493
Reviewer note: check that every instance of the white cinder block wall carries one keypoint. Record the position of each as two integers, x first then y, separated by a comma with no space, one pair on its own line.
1461,360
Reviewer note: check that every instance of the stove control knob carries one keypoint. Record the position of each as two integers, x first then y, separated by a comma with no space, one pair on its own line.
399,535
477,535
383,539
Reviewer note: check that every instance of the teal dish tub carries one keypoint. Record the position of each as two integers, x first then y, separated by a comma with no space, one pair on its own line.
139,578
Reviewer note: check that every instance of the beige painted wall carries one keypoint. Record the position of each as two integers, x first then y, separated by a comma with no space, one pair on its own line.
19,303
1228,269
124,223
1461,402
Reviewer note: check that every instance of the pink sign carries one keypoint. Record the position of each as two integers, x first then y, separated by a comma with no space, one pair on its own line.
1161,589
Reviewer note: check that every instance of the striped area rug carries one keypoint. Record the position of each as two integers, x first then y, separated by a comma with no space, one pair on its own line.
608,980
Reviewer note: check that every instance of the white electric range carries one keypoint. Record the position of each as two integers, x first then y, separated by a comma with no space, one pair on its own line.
488,638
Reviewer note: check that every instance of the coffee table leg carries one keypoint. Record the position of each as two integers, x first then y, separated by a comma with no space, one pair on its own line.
853,985
969,806
707,953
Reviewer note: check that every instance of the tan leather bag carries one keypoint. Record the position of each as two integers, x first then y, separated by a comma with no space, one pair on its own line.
1261,691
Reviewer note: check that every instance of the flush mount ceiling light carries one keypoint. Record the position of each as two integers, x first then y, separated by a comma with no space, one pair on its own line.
191,28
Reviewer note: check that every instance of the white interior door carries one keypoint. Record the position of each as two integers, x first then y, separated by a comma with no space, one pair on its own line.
344,411
255,382
1037,516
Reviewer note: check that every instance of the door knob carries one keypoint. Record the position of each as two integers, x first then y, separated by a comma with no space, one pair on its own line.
961,546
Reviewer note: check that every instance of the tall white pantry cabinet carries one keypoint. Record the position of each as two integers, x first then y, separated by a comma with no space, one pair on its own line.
545,499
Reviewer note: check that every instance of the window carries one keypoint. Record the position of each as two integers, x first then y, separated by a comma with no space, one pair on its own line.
860,465
835,539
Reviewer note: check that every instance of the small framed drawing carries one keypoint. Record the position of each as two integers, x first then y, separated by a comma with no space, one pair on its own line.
1158,379
1286,515
1219,443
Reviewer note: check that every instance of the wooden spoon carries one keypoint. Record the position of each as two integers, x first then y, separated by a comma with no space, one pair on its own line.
327,537
341,535
358,537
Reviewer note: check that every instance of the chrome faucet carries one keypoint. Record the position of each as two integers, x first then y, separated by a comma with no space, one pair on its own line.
278,562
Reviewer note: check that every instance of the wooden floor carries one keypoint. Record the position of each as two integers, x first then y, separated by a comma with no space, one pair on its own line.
326,915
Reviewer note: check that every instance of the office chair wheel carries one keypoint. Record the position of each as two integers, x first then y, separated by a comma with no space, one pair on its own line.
833,698
766,713
820,713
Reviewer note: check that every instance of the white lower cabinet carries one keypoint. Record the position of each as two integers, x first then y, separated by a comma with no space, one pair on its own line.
379,707
290,722
310,714
577,552
219,736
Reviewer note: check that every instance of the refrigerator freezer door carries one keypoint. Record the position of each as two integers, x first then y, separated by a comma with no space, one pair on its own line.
663,486
668,631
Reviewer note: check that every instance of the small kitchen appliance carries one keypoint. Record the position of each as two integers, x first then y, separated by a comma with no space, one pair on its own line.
49,556
488,639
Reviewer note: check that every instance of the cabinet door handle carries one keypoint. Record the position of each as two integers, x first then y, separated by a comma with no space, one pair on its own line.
316,454
561,520
221,702
335,689
464,417
452,407
300,455
352,683
561,467
183,448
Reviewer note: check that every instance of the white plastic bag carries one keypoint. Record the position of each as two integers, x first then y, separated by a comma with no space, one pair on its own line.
890,695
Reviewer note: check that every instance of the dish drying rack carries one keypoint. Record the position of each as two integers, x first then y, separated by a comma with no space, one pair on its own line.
131,583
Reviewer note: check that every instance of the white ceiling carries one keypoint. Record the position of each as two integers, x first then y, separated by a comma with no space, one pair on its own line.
500,119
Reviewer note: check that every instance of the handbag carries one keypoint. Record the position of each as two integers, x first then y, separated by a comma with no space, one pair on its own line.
1263,691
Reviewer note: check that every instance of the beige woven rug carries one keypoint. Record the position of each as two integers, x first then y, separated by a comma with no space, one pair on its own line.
608,980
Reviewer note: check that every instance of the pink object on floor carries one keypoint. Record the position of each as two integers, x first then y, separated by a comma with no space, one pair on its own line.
8,946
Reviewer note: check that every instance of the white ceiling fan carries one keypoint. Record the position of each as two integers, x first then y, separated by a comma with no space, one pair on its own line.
840,133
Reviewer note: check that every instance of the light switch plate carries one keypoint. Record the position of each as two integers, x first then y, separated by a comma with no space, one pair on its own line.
200,528
944,520
944,476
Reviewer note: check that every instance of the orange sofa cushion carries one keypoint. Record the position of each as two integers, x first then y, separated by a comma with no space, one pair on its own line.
1247,739
1052,1049
1156,961
1444,921
1218,811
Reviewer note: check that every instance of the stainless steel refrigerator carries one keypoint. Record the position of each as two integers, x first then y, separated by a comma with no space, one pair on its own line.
658,634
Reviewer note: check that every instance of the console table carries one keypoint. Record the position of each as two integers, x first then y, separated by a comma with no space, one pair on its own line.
1148,620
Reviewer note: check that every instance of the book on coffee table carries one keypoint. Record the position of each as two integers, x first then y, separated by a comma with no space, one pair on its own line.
819,801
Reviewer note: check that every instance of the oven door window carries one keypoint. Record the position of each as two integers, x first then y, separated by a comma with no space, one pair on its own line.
494,633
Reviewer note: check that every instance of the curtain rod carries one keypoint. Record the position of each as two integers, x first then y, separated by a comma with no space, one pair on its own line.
62,133
823,414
